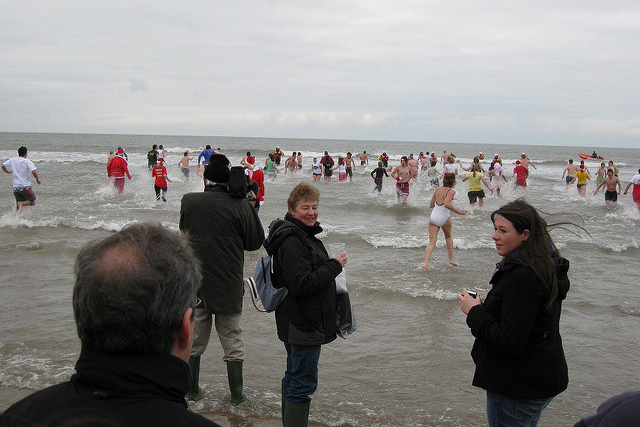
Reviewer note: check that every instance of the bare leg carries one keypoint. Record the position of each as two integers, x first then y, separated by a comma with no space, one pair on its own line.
481,201
433,236
448,238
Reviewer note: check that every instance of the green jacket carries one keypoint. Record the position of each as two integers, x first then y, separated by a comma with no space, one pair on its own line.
220,228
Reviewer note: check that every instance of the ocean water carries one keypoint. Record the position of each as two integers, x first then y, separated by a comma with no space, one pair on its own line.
409,362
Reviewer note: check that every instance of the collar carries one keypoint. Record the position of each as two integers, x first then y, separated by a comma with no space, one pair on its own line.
312,230
133,376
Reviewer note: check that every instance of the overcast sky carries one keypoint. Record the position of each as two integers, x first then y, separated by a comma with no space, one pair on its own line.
542,72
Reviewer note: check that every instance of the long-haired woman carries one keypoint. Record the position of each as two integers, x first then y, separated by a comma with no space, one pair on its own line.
518,349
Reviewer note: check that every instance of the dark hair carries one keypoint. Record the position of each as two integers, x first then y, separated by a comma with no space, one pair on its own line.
186,153
538,252
22,151
449,179
154,146
132,289
208,147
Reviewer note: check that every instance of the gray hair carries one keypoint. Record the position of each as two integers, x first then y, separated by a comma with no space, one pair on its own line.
132,289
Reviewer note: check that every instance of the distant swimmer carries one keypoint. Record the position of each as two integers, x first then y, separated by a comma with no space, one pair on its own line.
612,166
205,156
327,166
441,203
635,181
364,158
277,155
22,169
495,173
402,175
611,182
601,173
350,165
316,169
413,165
159,171
450,166
117,169
582,175
475,192
270,166
476,161
184,163
377,175
520,173
299,159
433,173
384,158
570,172
526,161
291,164
110,156
152,156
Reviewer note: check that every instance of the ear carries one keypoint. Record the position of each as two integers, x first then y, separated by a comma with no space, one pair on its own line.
182,345
525,235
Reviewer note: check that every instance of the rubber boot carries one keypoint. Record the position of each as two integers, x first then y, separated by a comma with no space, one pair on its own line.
194,393
296,414
234,375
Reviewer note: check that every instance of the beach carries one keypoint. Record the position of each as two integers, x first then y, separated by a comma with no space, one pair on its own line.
409,363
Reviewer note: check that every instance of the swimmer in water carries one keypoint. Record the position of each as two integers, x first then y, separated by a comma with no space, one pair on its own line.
441,218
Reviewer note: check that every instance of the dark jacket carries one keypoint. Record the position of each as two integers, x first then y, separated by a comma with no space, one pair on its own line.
127,390
307,316
220,229
622,410
518,348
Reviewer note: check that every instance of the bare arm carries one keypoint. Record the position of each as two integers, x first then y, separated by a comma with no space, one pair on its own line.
35,175
448,205
432,203
6,170
628,186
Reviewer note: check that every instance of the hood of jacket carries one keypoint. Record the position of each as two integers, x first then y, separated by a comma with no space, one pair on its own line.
562,267
279,229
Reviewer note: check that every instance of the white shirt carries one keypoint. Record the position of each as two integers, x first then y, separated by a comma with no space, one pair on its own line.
317,168
21,169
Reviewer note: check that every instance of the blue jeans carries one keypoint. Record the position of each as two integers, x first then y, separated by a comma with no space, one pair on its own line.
301,377
505,411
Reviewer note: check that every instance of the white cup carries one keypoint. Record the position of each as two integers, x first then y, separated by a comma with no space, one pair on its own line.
336,248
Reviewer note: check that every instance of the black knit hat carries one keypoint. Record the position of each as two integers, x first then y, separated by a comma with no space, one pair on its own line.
218,169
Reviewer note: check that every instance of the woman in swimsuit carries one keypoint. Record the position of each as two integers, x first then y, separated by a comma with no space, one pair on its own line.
441,218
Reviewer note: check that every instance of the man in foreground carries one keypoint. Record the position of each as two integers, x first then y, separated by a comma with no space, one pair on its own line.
221,228
22,168
133,305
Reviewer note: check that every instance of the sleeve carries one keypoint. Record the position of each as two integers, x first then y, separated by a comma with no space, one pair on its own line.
300,278
518,311
252,231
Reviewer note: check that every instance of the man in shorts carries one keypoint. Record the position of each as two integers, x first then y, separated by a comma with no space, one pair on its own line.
611,181
350,165
570,172
22,168
402,174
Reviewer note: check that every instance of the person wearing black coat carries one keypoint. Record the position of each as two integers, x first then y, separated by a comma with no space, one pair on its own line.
306,318
518,348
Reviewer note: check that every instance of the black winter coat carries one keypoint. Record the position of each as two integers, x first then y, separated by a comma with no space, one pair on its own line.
220,229
112,390
518,349
307,316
